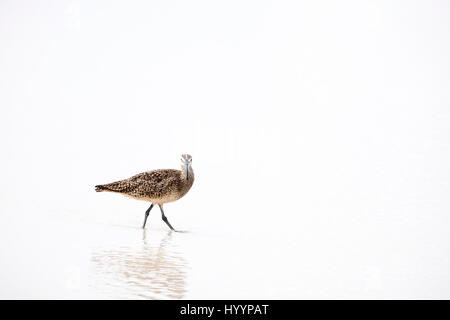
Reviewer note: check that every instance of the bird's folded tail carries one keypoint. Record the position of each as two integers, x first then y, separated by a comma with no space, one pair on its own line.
101,188
122,186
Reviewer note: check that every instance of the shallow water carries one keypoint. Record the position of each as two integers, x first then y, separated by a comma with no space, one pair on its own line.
67,256
147,270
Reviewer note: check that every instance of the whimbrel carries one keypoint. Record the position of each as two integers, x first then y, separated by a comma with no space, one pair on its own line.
157,186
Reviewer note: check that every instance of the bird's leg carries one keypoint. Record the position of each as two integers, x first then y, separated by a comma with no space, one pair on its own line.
146,215
164,218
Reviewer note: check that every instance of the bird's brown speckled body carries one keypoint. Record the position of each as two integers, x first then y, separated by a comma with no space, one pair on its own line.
157,186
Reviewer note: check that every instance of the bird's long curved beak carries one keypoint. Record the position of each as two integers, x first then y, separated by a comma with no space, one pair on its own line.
187,171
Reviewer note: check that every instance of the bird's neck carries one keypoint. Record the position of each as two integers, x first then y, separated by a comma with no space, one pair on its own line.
190,177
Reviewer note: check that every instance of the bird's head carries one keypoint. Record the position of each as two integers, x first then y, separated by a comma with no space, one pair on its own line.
186,162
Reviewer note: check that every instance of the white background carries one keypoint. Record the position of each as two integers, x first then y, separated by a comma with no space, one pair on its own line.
319,132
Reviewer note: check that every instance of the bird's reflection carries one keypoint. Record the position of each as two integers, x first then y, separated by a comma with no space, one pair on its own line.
151,271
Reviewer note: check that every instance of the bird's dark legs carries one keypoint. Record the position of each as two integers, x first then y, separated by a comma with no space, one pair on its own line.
164,218
146,215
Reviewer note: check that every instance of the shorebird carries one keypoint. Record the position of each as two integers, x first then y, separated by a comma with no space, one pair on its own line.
156,186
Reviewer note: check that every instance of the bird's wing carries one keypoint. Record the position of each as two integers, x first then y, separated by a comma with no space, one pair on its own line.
146,184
